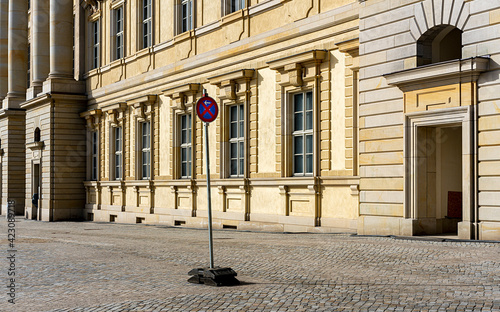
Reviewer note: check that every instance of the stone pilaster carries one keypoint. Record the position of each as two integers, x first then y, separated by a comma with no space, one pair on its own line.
17,53
4,24
39,46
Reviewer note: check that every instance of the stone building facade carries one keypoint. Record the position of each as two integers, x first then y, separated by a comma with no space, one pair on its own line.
429,119
376,117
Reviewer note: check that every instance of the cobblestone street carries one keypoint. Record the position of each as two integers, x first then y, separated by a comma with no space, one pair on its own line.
113,267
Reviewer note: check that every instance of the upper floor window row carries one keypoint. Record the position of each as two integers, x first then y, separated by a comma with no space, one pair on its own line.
185,15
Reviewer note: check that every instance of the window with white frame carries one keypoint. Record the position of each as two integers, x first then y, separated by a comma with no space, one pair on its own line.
236,141
119,32
117,153
185,146
94,155
146,149
147,15
302,133
233,6
95,44
186,15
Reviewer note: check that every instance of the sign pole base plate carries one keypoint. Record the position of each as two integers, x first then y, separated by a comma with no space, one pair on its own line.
213,277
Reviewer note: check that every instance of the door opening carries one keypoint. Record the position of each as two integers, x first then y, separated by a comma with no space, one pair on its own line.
439,179
35,191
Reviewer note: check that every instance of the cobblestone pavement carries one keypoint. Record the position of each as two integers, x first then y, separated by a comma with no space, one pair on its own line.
111,267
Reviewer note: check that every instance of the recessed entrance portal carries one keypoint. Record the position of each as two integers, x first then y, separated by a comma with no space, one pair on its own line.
35,193
438,173
439,179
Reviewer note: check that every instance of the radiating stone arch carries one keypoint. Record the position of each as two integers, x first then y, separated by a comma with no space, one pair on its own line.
431,13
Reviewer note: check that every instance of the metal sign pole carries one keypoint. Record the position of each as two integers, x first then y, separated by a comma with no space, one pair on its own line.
207,110
207,162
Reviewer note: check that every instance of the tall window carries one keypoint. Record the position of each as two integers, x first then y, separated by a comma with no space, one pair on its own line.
302,134
119,32
95,44
146,149
236,140
234,5
147,14
186,15
118,152
94,159
185,145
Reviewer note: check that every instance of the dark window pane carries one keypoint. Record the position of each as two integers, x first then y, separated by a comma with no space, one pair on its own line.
298,102
242,149
309,144
309,120
234,113
298,164
233,131
309,164
183,122
309,101
183,170
298,145
234,167
298,122
234,150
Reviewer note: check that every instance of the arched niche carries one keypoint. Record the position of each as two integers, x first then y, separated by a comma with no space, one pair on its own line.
37,135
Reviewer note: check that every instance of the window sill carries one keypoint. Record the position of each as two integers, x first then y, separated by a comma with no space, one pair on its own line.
35,145
232,17
184,36
113,184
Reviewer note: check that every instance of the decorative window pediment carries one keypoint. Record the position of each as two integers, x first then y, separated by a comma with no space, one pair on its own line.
91,5
142,106
116,113
298,68
183,97
233,84
93,117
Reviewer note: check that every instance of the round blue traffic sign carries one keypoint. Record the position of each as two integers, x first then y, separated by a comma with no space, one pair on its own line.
207,109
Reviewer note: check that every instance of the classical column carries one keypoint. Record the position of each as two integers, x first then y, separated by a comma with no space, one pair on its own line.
61,39
17,49
4,24
61,77
39,46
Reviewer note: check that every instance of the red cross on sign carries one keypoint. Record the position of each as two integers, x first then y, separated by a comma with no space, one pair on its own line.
207,109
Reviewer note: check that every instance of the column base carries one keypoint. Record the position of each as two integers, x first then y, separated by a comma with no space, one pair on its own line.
63,85
13,100
33,92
